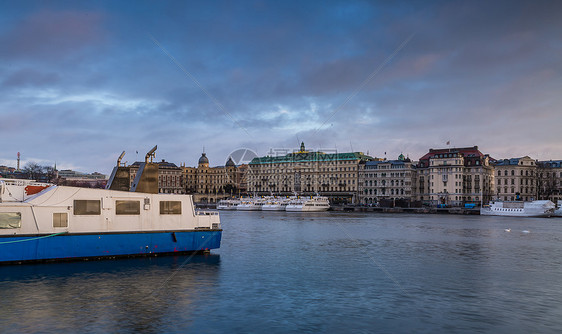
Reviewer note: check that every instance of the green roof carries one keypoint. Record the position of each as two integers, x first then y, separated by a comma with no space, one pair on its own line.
310,157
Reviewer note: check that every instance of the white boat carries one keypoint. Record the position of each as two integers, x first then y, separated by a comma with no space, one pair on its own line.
62,222
519,209
276,204
250,204
312,204
558,211
228,204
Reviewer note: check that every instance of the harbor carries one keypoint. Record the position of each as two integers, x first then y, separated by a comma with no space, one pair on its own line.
321,272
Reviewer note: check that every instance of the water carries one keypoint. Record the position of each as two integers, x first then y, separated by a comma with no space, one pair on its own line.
327,272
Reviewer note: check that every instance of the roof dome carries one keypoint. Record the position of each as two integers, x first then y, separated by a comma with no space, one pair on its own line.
203,159
230,163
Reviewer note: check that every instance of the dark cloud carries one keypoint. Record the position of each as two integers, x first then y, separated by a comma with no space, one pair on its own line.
51,34
83,81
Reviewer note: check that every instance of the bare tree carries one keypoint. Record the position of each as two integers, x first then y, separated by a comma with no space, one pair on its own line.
33,170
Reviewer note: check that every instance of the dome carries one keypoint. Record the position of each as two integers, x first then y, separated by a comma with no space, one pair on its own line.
230,163
203,159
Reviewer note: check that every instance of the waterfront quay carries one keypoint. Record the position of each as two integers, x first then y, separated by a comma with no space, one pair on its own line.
359,208
426,210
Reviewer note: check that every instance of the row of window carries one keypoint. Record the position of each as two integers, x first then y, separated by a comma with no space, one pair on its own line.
384,175
384,192
123,207
91,208
513,181
513,173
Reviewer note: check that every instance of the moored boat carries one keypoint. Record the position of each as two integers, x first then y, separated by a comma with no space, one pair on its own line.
312,204
250,204
519,209
63,222
275,204
558,210
228,204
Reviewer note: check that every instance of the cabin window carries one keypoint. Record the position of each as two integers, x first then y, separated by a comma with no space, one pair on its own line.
10,219
127,207
60,219
87,207
170,208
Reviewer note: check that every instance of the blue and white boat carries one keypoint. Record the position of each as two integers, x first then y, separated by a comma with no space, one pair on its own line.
63,222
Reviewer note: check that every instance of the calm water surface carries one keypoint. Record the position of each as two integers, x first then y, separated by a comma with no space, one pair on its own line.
321,272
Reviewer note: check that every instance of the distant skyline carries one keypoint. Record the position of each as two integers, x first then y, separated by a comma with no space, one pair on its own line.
81,81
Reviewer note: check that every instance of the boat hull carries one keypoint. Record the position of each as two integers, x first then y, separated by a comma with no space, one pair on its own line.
273,208
231,208
248,208
488,212
98,245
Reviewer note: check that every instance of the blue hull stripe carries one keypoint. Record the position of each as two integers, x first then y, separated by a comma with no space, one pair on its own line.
67,246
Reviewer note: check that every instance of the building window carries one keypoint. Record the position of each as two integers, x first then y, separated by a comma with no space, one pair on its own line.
60,219
87,207
127,207
10,219
170,208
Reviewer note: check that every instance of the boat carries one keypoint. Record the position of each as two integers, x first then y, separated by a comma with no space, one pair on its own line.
61,223
558,210
250,204
275,204
519,209
312,204
228,204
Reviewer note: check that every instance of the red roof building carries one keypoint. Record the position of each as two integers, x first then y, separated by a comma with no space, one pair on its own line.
455,176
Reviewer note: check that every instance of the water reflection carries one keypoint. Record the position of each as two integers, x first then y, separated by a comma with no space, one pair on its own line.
128,294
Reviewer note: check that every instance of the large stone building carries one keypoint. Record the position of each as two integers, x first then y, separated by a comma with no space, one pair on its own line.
386,182
307,173
214,182
454,176
516,179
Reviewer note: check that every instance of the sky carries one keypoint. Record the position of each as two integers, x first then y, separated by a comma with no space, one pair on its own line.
82,81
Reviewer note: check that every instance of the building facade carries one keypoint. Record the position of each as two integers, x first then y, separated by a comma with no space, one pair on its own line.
455,176
303,172
386,182
516,179
215,182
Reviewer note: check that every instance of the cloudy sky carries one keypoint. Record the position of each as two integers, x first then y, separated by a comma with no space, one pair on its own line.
82,81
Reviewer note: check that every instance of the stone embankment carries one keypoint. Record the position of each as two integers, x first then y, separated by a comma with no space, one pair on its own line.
457,211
